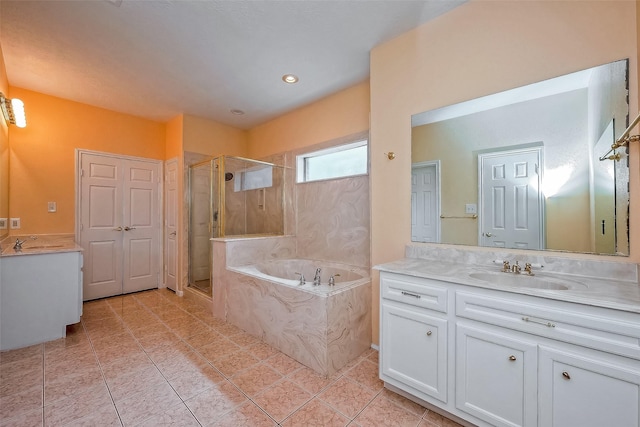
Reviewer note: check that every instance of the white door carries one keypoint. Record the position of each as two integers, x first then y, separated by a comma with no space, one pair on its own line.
119,224
170,225
425,221
510,199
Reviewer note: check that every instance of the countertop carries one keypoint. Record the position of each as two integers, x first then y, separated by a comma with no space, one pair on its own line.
594,291
42,244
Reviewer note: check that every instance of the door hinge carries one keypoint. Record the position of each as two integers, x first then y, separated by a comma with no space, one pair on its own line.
81,227
81,172
537,170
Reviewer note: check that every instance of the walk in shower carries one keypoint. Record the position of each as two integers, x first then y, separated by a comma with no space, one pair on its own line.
230,196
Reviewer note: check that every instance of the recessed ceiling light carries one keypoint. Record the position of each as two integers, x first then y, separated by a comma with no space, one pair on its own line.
290,78
237,112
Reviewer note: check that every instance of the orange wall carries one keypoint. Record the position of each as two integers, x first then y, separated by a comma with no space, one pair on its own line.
212,138
173,141
338,115
482,47
4,150
43,155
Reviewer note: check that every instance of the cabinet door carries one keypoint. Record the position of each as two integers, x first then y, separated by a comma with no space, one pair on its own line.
413,350
580,390
496,376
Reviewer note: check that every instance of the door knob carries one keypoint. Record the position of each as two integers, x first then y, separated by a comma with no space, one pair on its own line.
173,233
117,229
488,234
129,228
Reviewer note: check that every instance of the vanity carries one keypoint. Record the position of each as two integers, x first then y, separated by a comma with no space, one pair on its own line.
493,348
40,290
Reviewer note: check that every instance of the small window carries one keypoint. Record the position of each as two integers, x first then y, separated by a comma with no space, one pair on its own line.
334,162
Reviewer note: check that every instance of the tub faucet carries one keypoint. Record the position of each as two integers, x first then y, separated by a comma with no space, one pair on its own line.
316,279
302,279
18,245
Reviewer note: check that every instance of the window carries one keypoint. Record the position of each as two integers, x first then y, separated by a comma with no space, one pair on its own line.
335,162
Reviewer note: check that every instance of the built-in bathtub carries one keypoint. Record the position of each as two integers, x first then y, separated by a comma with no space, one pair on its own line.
323,327
288,272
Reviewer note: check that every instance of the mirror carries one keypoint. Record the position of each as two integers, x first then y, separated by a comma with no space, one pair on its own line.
521,168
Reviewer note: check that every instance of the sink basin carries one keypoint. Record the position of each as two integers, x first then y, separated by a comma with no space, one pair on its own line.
526,281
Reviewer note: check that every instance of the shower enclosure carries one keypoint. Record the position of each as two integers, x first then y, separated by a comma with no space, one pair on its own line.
230,196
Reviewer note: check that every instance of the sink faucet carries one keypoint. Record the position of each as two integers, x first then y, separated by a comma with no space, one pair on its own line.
506,268
316,279
18,245
527,268
516,268
302,279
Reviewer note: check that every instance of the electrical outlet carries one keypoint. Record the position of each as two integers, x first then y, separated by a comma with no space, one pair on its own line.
4,223
14,223
471,208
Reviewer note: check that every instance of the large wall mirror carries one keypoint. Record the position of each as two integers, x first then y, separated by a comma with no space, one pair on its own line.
526,168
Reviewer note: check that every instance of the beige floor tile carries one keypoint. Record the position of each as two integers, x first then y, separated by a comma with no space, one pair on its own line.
9,356
158,339
262,350
19,381
125,365
283,363
309,380
203,338
347,396
76,407
382,412
244,339
212,404
126,385
282,399
256,379
366,373
105,416
235,363
219,349
32,418
246,415
405,403
177,416
192,382
64,386
227,329
316,413
23,401
181,362
154,400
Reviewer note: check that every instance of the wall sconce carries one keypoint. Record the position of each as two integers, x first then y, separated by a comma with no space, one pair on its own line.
13,111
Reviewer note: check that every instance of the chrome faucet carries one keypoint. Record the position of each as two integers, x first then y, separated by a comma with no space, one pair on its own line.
527,268
18,245
302,279
506,268
316,279
332,279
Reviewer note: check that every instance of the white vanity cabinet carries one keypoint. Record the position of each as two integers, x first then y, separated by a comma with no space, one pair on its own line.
511,359
414,335
496,375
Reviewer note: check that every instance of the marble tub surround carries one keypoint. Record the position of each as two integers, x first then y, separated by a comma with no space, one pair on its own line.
42,244
322,330
604,283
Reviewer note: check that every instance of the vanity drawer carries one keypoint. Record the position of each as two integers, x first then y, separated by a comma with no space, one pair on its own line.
602,329
425,293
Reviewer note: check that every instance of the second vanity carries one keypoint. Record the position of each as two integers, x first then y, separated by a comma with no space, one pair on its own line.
497,348
40,289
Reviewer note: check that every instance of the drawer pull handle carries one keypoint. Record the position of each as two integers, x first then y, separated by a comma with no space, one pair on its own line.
539,322
409,294
429,333
566,375
512,358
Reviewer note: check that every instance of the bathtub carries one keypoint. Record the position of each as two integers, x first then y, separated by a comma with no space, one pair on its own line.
323,327
286,272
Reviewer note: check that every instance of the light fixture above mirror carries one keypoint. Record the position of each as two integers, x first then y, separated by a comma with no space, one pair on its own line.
13,111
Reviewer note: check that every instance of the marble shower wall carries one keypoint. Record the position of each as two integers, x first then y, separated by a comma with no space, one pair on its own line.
333,220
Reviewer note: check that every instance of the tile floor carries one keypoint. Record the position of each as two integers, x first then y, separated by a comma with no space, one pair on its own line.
154,359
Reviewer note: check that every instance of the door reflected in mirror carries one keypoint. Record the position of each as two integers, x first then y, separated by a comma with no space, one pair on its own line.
521,169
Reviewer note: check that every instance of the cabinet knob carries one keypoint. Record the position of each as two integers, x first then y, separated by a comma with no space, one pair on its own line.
512,358
566,375
429,333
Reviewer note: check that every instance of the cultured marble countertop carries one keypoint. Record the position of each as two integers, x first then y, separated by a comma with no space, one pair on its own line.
42,244
594,291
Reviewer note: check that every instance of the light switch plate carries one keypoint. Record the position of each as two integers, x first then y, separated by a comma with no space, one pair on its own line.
52,206
4,223
14,223
471,208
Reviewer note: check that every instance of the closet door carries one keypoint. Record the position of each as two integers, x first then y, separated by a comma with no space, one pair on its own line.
141,214
101,230
119,224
